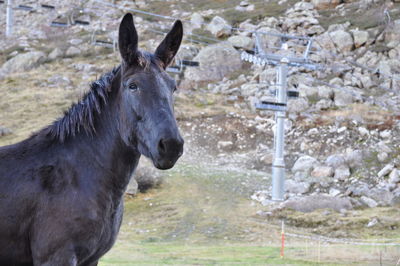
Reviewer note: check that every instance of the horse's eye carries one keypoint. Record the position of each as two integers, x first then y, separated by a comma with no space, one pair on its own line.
133,87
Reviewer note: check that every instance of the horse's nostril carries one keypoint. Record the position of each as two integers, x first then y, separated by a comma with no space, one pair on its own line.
162,147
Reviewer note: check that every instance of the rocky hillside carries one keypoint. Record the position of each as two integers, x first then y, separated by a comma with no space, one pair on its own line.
342,133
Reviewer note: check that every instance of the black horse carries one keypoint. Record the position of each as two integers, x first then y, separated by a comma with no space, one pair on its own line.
61,190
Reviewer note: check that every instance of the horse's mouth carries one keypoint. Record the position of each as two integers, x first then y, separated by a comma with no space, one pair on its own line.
165,164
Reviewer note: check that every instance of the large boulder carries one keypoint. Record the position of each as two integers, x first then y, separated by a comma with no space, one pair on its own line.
314,202
23,62
219,27
216,62
343,40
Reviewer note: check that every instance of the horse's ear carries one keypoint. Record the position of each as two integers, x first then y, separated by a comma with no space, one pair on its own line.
128,40
170,45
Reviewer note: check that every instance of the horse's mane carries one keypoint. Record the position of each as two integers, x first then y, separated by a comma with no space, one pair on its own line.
81,115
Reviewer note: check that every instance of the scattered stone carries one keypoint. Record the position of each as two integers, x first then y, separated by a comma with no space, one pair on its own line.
292,186
72,51
322,171
385,170
225,145
147,176
385,134
5,131
343,40
335,160
240,41
56,53
396,198
133,187
342,172
325,4
334,192
368,202
360,37
304,163
297,105
196,20
363,131
382,157
354,158
219,27
23,62
314,202
394,176
342,97
324,104
374,221
75,42
213,65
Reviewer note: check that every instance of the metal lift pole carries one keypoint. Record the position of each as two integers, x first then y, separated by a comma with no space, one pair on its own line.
9,20
278,166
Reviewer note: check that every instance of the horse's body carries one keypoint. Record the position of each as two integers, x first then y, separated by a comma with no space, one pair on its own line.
61,190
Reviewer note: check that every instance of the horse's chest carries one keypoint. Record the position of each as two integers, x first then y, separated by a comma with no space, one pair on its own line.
111,225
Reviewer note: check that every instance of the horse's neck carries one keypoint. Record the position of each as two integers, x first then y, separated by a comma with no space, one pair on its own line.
110,155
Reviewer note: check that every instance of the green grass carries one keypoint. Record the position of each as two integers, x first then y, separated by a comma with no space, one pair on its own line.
172,253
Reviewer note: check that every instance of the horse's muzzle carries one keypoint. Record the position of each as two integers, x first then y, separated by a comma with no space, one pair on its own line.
169,150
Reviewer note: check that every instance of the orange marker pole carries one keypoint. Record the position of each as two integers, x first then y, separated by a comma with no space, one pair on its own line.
283,240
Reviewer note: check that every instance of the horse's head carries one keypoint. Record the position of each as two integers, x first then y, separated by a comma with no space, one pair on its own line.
146,111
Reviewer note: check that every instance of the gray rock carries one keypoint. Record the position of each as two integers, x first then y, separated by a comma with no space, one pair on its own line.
322,171
76,42
225,145
324,104
363,131
382,196
335,160
72,51
5,131
354,158
334,192
360,37
60,81
133,187
382,156
56,53
396,198
219,27
304,163
325,4
314,202
374,221
147,176
368,202
343,40
342,97
385,170
394,176
342,172
213,64
240,41
292,186
23,62
297,105
196,20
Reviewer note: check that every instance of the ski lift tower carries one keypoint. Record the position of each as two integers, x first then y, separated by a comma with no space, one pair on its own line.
282,57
